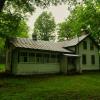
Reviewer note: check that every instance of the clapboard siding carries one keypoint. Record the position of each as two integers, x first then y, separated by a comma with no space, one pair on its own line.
37,68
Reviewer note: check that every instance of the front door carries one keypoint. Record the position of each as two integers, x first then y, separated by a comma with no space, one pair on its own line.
71,67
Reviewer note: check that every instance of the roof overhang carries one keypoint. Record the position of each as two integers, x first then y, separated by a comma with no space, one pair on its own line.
71,55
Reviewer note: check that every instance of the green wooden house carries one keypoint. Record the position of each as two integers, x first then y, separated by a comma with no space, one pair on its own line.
28,56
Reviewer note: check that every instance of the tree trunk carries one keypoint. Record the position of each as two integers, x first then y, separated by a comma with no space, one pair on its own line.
2,2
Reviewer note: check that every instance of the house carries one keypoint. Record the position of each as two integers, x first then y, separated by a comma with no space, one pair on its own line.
29,56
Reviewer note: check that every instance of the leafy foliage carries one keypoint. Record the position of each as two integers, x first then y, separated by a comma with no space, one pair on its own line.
29,5
85,16
22,30
21,6
8,24
12,25
15,9
64,31
44,26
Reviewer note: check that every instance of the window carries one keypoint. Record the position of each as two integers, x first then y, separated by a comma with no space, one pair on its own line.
31,57
46,58
39,58
53,58
23,54
23,57
84,45
91,46
83,59
92,59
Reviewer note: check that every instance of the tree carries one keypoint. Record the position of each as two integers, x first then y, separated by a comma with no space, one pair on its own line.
6,32
16,9
29,5
8,24
64,31
44,26
85,16
21,31
12,26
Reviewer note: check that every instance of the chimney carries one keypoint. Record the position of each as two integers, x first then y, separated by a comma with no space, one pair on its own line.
34,37
84,31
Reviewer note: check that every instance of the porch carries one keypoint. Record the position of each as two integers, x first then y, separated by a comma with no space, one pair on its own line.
73,63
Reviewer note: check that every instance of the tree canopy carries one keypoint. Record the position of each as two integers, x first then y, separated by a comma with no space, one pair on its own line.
12,25
44,26
84,16
29,5
6,30
14,10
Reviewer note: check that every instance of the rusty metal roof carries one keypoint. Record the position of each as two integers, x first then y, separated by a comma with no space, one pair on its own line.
40,45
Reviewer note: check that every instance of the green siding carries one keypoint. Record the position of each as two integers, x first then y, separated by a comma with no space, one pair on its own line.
26,68
14,61
64,64
88,53
37,68
8,59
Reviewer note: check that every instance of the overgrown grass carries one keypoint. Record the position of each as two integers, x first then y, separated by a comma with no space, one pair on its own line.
52,87
2,67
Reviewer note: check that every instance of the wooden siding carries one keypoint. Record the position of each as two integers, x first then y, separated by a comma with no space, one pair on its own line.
33,68
88,53
63,65
37,68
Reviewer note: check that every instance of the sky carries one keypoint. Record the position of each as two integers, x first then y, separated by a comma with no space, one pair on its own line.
59,12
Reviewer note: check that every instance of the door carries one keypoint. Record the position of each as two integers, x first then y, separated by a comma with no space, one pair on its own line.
71,68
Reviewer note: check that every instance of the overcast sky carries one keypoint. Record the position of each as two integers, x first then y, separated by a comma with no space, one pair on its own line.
59,12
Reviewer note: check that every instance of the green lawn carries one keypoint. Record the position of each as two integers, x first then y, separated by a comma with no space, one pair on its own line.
2,67
50,87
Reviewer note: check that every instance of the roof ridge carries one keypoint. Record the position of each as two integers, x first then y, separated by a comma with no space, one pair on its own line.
74,38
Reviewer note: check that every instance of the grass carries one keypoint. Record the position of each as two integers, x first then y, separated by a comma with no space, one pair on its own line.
2,67
50,87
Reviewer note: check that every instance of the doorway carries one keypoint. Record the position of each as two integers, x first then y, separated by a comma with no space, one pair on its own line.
72,65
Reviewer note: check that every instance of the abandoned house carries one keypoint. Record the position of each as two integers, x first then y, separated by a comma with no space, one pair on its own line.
28,56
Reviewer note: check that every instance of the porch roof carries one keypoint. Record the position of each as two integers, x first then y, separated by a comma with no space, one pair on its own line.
71,55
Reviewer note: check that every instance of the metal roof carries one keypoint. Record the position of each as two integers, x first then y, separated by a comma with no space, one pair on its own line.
47,45
71,55
40,45
72,42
